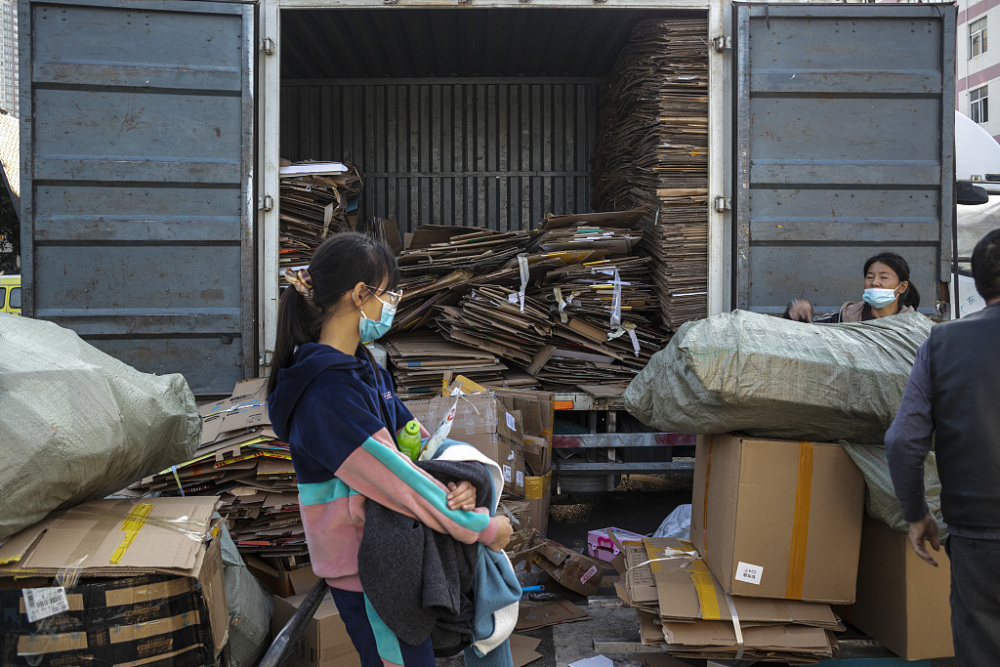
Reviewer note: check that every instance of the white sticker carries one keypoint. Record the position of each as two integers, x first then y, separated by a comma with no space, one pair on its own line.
511,424
44,602
588,574
520,478
506,473
510,455
751,574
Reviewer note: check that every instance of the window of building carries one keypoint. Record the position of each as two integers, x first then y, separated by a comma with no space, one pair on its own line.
979,109
977,37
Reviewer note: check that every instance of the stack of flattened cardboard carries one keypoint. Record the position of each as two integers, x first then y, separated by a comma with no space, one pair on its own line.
479,249
242,462
421,360
652,153
683,609
136,582
571,305
317,199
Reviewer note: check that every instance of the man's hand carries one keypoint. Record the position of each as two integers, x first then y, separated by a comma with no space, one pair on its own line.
925,530
504,531
800,310
461,496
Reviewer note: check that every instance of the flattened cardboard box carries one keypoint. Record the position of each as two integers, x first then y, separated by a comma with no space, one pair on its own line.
159,598
325,642
669,575
778,518
573,570
902,601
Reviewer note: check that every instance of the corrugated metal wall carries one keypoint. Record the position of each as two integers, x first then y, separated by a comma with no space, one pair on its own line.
501,153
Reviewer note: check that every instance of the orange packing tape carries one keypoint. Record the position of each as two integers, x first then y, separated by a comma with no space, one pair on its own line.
563,405
800,524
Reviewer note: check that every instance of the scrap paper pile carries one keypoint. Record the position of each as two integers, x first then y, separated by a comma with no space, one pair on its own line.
683,610
653,153
571,304
317,199
241,461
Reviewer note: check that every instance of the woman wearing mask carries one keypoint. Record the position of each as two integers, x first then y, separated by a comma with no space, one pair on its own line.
888,291
335,407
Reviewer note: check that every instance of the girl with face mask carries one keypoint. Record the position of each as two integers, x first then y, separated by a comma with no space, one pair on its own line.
335,406
887,291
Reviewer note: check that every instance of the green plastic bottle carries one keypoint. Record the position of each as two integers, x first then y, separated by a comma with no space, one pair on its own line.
409,439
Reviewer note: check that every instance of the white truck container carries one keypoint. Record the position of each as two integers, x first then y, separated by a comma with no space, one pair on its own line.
152,133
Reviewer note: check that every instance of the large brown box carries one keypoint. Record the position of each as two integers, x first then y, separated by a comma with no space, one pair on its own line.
902,601
325,642
778,518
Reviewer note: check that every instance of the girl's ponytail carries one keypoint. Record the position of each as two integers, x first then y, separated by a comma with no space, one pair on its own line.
298,323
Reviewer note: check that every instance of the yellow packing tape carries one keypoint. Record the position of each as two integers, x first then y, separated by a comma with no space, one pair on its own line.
800,524
704,585
536,488
131,526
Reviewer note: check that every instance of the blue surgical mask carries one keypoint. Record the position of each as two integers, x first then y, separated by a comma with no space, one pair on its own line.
879,298
370,329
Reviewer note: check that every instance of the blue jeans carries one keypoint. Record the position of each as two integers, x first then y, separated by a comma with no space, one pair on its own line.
374,641
975,600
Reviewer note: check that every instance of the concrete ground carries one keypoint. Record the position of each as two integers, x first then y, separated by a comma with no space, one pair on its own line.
639,504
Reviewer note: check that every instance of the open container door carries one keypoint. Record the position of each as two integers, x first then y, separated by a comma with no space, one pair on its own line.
844,146
137,172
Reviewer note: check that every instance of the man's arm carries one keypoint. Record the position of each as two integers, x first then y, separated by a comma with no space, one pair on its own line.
907,443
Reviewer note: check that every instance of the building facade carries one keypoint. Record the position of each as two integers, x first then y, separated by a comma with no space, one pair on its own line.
8,57
977,63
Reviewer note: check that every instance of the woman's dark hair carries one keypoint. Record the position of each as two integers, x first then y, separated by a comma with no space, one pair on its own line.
986,266
340,263
911,297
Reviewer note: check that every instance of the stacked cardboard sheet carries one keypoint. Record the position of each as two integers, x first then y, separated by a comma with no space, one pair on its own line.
652,153
683,609
317,199
241,461
571,304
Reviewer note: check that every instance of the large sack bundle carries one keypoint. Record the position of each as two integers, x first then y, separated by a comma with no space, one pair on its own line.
770,377
77,424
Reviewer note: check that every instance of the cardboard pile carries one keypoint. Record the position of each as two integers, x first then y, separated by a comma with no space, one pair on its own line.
652,153
242,462
134,584
317,199
683,609
570,305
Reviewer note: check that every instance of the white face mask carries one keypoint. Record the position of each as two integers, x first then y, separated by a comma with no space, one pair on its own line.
877,297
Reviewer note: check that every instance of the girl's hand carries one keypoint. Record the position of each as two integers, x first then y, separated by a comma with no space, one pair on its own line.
461,496
504,531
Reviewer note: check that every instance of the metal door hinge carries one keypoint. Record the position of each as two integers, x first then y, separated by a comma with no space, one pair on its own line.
266,203
267,46
265,358
722,43
722,204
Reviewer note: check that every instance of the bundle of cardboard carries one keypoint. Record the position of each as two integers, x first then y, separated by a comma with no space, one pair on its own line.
242,462
683,609
317,199
652,153
570,305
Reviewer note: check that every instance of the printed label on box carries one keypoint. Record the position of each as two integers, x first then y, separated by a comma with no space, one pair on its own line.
506,473
751,574
520,478
511,424
44,602
588,575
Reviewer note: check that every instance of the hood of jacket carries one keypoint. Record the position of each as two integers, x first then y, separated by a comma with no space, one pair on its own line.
311,359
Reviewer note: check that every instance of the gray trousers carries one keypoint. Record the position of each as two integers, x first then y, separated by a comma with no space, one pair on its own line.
975,600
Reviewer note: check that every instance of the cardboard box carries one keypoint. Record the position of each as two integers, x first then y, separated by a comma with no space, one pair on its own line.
283,583
147,586
325,642
778,518
484,422
538,494
568,568
602,547
902,601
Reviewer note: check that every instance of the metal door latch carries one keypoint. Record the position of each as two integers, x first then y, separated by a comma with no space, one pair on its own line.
722,204
267,46
266,203
722,43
